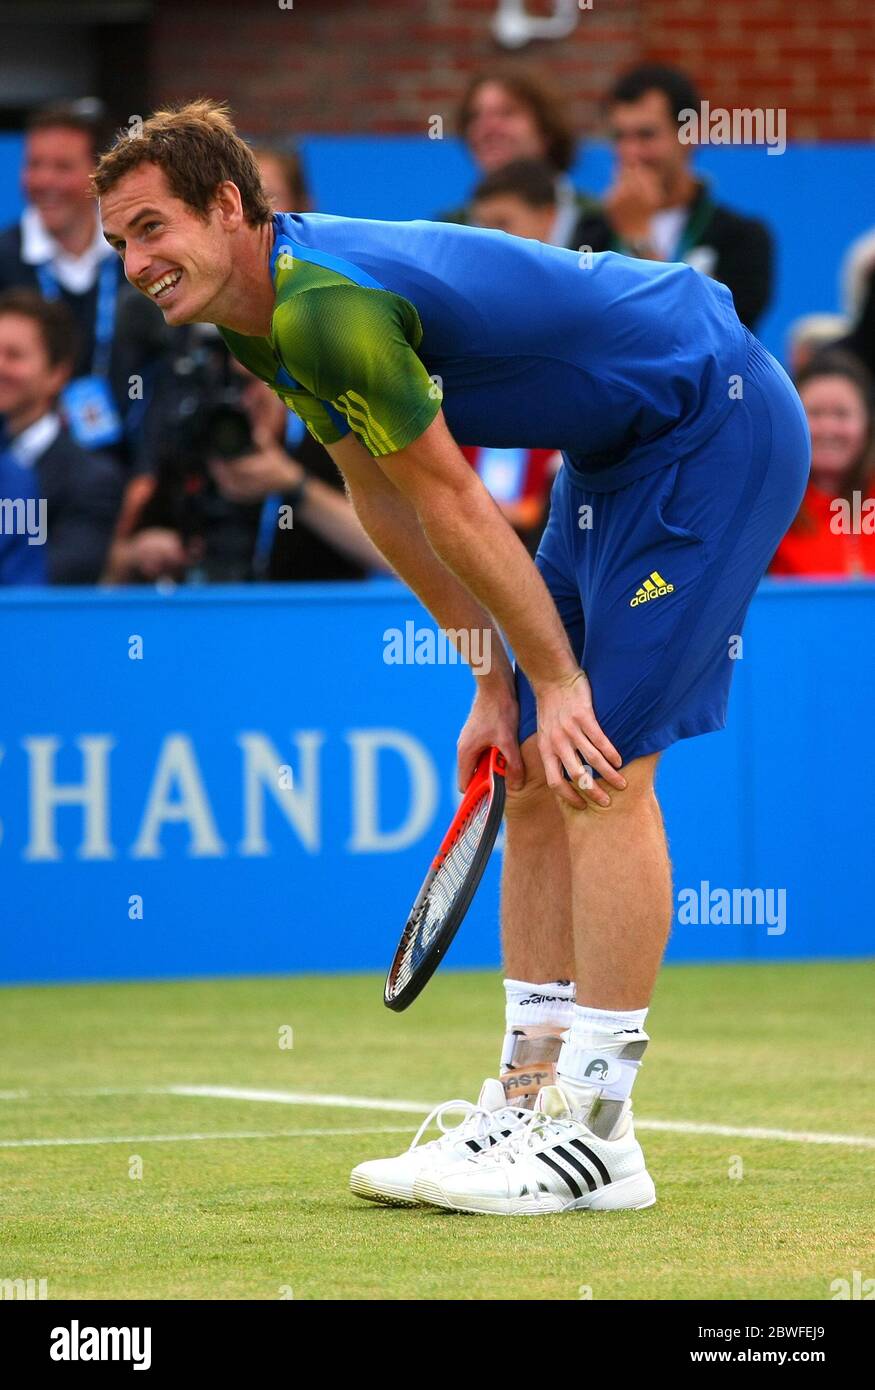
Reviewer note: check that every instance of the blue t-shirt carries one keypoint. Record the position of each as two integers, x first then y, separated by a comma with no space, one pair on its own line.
623,365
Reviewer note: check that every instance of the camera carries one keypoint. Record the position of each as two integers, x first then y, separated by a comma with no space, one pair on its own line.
197,415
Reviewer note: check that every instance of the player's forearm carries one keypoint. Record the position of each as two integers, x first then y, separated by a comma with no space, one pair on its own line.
468,532
393,525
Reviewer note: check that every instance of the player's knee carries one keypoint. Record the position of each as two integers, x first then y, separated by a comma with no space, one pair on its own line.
534,796
639,791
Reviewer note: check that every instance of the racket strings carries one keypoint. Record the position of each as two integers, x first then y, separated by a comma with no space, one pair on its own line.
443,891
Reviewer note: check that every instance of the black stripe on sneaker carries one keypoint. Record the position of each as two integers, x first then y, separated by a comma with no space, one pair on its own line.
504,1134
576,1163
472,1144
566,1177
593,1158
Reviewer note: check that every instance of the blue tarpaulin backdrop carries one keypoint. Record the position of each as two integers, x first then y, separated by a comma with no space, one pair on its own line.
145,740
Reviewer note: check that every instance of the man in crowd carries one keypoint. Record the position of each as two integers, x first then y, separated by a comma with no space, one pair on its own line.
56,248
657,209
70,497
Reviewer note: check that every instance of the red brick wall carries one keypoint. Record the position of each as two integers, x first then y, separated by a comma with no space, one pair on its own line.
387,65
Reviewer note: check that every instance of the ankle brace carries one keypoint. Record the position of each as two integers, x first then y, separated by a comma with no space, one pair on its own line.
527,1064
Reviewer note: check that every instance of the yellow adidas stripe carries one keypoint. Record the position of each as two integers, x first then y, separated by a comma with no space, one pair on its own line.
657,578
359,422
356,403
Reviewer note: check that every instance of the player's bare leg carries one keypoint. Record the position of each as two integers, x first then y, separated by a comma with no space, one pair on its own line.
536,925
621,909
537,934
620,892
613,884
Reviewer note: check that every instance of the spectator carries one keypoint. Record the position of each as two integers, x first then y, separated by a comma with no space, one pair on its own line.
282,176
657,209
809,335
834,532
58,249
288,469
202,515
511,115
519,198
175,525
858,276
42,469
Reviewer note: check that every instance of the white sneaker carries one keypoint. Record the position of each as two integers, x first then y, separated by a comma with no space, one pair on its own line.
391,1180
552,1163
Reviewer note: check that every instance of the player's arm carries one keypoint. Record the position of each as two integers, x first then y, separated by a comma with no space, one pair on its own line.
466,529
392,522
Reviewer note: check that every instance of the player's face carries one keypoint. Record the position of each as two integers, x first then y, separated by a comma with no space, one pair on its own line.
645,132
501,128
839,427
57,164
507,213
28,382
174,257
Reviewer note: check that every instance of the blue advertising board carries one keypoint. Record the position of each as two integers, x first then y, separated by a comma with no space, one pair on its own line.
235,780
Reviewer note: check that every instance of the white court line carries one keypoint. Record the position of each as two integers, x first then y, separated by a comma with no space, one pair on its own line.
405,1107
196,1138
415,1107
791,1136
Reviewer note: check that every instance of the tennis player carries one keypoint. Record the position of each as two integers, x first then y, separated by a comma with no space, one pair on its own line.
686,454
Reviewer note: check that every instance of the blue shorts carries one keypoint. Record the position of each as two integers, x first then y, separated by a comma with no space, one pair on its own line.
653,580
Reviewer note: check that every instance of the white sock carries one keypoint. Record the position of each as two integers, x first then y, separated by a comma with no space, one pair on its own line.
590,1064
587,1020
535,1010
538,1004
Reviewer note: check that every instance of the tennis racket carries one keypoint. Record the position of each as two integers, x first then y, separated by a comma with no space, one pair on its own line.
450,884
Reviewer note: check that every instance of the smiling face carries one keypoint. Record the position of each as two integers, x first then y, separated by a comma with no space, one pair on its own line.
57,163
839,428
177,259
29,382
645,133
501,128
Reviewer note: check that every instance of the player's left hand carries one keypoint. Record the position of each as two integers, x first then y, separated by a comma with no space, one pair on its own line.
570,737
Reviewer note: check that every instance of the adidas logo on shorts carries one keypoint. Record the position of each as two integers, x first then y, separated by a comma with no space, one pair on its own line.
654,587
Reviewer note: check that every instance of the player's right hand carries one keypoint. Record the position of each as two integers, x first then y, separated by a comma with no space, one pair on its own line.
493,722
571,738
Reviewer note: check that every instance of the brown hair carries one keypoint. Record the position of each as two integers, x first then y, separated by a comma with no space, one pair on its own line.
84,116
532,92
532,180
861,477
53,318
198,148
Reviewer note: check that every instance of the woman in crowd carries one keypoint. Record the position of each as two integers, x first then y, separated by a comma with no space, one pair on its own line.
834,532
